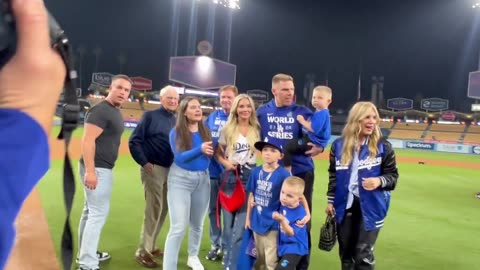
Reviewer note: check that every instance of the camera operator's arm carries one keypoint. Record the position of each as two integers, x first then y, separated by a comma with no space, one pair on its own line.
30,84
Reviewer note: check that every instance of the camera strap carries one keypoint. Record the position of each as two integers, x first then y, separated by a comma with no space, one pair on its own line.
71,110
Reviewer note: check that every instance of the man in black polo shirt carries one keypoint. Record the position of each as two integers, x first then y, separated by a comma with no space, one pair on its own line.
150,147
101,140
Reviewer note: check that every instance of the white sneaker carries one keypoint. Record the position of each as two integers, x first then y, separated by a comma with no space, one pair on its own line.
194,263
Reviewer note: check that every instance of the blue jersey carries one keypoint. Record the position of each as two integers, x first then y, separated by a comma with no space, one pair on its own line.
320,123
266,192
279,125
216,121
298,242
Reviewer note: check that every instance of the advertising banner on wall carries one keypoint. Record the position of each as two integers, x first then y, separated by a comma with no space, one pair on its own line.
434,104
419,145
400,104
476,149
396,143
454,148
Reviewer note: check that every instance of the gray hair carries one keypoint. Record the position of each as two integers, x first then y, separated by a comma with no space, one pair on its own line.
166,89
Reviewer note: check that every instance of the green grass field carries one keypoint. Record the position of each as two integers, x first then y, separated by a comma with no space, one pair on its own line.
78,132
433,222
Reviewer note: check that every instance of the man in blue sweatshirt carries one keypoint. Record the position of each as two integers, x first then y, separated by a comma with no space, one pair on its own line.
150,148
279,126
215,121
26,114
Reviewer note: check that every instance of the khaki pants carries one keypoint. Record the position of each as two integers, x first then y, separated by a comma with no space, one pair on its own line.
156,207
266,246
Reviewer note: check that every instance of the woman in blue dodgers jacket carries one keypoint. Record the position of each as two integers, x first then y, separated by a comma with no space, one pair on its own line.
362,173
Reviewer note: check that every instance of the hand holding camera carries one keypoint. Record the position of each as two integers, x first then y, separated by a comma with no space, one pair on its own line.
32,79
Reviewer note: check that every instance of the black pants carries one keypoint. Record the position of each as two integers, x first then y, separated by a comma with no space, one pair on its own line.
309,178
295,147
290,262
355,243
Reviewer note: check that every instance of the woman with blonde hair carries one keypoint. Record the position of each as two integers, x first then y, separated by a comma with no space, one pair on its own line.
236,153
362,173
188,183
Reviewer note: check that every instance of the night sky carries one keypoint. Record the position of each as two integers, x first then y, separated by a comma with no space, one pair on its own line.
421,47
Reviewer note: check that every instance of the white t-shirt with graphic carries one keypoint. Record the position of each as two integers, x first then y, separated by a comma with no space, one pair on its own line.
241,150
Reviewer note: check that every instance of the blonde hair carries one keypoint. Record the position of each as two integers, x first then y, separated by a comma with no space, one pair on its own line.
231,130
296,183
228,87
281,77
323,89
352,130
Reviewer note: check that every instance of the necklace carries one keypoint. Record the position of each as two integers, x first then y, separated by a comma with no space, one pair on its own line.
260,175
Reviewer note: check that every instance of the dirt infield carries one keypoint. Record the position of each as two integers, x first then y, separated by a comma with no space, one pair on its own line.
33,245
57,153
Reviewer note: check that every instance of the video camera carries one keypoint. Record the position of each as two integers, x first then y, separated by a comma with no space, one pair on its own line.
71,109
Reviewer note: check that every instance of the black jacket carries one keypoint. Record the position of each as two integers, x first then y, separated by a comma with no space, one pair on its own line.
149,141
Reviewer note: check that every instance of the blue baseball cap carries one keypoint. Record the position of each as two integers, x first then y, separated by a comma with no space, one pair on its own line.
261,144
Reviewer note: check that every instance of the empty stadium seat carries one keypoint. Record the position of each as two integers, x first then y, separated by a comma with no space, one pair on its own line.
130,113
386,124
443,136
410,126
131,105
472,138
447,128
474,129
405,134
150,107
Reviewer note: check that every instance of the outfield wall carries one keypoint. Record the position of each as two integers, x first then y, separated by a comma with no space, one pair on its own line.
436,147
402,144
431,146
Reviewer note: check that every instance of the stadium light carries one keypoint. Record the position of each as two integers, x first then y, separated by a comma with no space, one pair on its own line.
476,5
232,4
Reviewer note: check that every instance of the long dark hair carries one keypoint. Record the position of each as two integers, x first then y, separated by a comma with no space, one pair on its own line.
183,135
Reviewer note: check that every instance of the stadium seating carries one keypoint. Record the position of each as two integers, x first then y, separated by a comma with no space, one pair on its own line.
406,134
472,138
447,128
410,126
131,105
150,107
130,113
443,136
386,124
474,129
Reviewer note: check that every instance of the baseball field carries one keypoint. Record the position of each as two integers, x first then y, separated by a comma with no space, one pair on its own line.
433,221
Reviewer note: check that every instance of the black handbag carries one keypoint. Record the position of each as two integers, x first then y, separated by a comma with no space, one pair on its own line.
328,234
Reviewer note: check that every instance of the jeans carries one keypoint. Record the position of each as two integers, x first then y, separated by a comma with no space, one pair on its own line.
234,223
94,215
188,197
217,239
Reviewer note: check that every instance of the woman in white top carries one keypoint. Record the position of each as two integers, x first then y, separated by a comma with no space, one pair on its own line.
236,153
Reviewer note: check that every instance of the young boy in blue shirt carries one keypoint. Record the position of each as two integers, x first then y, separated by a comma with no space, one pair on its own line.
317,130
264,187
293,239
